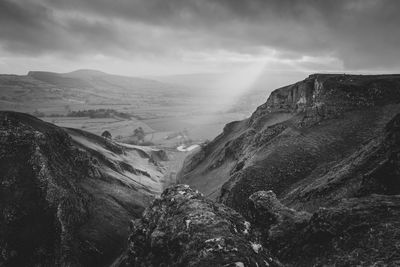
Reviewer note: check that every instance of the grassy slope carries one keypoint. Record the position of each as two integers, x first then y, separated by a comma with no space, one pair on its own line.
76,189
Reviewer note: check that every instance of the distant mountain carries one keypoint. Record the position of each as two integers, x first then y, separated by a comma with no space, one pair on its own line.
67,196
61,80
329,141
95,78
86,72
56,93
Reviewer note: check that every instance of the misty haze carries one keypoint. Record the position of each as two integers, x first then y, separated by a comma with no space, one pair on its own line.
241,133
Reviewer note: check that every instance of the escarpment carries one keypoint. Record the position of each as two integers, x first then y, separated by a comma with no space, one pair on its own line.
297,136
66,197
315,170
332,93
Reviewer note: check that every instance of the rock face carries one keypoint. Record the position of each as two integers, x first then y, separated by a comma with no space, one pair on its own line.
66,199
183,228
315,170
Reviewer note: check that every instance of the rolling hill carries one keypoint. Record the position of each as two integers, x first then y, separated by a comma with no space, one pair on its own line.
57,93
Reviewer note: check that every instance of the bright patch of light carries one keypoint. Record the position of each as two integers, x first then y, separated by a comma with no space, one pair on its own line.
234,84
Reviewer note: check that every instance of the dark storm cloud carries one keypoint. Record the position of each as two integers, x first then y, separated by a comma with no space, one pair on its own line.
32,28
26,27
361,33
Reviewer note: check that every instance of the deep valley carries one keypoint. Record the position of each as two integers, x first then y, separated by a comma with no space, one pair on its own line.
310,178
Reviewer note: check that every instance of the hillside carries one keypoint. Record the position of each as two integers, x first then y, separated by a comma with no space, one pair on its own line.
58,93
301,128
327,142
67,196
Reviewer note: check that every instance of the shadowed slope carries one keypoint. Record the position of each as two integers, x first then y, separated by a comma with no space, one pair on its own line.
67,201
183,228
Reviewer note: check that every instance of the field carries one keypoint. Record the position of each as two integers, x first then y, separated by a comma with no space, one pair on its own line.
116,126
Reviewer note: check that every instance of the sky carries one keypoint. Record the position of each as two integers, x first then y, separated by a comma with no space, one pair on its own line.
160,37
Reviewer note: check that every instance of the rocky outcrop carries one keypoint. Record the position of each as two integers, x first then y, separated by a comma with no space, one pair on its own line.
329,94
275,223
183,228
64,201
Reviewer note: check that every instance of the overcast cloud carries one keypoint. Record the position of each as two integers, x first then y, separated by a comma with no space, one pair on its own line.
163,37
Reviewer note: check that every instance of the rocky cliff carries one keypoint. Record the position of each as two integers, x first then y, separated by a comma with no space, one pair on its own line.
315,168
295,137
66,196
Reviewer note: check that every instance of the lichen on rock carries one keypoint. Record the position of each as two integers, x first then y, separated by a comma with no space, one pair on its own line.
216,236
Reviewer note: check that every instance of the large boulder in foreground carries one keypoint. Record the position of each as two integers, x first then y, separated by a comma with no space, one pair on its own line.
183,228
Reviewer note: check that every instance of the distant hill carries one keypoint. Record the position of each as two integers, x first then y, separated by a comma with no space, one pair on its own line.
51,92
96,79
86,72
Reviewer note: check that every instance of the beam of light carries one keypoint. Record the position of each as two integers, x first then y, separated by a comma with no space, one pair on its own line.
222,95
234,85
